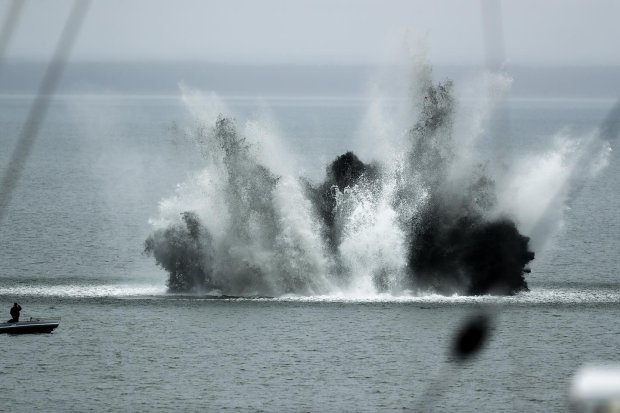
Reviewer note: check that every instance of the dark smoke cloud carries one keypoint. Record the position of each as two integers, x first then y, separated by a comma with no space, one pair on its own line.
467,255
184,251
452,246
345,171
454,249
254,257
451,251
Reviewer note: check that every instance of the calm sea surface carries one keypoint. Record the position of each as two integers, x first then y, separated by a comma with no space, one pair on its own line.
71,246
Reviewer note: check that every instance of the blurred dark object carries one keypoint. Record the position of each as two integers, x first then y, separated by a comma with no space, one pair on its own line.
471,337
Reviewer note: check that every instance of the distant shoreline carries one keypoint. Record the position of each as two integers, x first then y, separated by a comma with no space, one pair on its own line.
293,80
280,100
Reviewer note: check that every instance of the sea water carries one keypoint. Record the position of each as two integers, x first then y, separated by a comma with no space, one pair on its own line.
71,246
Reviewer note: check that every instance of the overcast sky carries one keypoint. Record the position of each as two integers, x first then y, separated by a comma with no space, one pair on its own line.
322,31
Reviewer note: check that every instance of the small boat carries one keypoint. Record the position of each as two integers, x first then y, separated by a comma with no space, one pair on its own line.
31,326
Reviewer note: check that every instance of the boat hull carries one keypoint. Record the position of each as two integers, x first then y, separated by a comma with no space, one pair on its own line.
29,327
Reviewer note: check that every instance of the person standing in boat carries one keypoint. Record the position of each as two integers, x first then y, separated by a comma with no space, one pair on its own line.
15,313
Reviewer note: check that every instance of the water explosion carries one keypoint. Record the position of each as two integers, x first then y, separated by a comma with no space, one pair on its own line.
404,225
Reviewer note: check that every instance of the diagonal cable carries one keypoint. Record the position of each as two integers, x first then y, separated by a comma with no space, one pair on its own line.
39,108
8,26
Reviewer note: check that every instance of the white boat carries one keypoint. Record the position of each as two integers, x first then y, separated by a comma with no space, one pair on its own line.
31,326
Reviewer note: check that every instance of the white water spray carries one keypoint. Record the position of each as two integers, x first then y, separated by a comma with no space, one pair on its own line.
258,229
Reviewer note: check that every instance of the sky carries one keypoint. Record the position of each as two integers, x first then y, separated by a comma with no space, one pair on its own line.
550,32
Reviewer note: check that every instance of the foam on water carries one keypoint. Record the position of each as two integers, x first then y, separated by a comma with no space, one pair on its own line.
82,290
538,296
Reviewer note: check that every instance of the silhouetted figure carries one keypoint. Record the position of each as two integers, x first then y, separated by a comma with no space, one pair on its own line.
15,313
